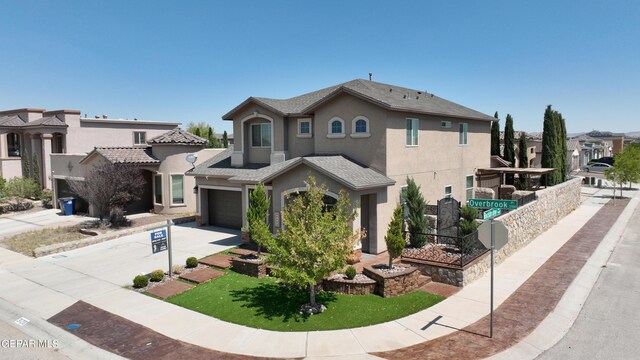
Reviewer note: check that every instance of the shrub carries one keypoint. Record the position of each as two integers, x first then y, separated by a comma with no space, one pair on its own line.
350,272
22,188
178,269
3,185
192,262
140,281
157,275
47,198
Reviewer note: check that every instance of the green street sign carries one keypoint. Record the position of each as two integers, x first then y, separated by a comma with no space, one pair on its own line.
493,204
491,213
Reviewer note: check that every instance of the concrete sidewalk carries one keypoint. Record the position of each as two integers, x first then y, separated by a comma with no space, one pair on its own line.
17,223
44,289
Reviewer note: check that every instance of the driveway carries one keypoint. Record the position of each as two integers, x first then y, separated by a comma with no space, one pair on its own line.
17,223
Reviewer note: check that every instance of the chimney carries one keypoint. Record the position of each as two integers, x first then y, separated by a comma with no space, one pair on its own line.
370,76
105,116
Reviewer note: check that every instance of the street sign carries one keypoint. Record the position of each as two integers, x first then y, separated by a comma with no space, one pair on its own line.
158,240
493,204
500,233
491,213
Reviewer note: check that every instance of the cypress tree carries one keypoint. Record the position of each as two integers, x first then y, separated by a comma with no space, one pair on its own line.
563,148
26,164
225,139
35,173
523,158
509,144
549,146
416,221
495,136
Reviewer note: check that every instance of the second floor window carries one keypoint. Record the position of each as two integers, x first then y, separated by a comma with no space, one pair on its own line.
139,138
412,132
304,128
336,127
463,134
261,135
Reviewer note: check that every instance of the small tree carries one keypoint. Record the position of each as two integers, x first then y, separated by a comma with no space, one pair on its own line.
257,217
523,159
109,187
35,173
313,241
416,220
394,240
26,164
213,138
468,226
509,146
550,151
225,139
495,136
626,167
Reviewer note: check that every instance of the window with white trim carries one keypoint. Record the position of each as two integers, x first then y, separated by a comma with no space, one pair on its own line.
139,138
447,191
157,189
469,184
360,127
177,189
462,139
261,135
304,127
412,132
336,128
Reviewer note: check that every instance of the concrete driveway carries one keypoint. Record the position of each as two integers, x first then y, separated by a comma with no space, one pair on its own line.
118,261
17,223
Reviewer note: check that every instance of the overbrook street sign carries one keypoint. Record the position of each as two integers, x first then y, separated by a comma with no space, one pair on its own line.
493,204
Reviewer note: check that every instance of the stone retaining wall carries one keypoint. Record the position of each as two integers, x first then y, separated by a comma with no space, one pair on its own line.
249,267
453,275
528,222
390,285
350,287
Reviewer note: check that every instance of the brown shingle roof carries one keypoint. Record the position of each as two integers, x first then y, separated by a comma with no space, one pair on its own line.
125,155
11,121
46,121
178,136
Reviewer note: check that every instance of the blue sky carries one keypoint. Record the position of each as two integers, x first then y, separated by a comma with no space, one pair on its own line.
195,60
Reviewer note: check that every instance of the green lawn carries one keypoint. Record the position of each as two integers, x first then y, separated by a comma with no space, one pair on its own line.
267,304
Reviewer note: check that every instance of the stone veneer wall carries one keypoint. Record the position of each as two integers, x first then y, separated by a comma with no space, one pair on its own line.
250,268
529,221
389,285
350,287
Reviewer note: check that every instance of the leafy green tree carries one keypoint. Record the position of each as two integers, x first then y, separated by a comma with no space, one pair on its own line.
626,167
313,241
205,131
225,140
213,139
549,146
35,172
523,159
394,240
495,136
257,217
197,132
509,146
416,220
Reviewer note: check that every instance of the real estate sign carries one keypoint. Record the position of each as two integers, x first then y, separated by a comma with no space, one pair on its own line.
493,204
158,240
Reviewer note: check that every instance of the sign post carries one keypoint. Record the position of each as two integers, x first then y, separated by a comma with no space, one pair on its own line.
497,231
161,241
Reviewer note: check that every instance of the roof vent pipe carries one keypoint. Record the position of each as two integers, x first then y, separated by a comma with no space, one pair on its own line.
370,76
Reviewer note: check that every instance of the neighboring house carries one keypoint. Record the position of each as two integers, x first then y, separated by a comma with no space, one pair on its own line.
573,155
616,140
163,163
593,148
361,136
536,144
33,132
531,149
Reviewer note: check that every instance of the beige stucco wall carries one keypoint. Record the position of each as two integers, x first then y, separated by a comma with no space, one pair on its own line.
252,113
368,151
299,146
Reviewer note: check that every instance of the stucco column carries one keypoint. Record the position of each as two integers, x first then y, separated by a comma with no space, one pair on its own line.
4,146
45,161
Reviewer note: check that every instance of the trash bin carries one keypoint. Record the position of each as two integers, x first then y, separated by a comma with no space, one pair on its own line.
66,205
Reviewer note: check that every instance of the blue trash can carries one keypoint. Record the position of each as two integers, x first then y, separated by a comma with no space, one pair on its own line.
66,205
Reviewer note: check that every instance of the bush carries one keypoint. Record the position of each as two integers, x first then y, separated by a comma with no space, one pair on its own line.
157,275
140,281
350,272
178,269
22,188
47,198
192,262
3,185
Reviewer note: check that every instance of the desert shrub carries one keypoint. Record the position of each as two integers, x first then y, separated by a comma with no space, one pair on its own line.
19,206
192,262
140,281
3,185
157,275
350,272
19,187
177,269
47,198
117,217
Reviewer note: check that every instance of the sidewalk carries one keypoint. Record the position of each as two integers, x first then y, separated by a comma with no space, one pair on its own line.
49,297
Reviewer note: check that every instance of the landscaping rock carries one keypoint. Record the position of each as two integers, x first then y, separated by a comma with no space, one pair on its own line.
394,282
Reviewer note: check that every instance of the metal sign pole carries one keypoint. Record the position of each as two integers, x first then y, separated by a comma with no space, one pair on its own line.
493,245
169,223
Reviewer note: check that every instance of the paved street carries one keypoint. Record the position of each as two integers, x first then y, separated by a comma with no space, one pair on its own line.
607,327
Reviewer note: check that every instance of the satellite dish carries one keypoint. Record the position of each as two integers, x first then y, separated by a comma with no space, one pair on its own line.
191,158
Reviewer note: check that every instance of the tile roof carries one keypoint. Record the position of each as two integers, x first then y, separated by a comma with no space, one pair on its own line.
125,155
11,121
178,136
337,167
46,121
388,96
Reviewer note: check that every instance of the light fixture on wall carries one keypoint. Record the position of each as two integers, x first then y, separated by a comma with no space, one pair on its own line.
195,189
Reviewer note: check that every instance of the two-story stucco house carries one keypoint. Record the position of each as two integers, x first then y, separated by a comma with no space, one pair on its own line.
361,136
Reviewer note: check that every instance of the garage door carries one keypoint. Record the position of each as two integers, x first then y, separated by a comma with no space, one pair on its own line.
225,208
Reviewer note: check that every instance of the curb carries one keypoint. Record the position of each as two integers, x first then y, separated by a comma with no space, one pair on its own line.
66,246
